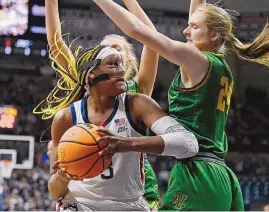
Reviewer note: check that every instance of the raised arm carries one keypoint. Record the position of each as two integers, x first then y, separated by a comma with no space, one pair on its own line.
149,58
177,52
195,4
54,34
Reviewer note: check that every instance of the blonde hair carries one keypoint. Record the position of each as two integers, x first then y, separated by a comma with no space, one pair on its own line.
131,63
220,21
71,81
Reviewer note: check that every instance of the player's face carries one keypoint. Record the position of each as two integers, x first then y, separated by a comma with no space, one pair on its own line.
113,65
197,33
118,44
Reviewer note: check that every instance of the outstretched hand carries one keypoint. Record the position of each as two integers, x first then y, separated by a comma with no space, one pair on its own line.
117,143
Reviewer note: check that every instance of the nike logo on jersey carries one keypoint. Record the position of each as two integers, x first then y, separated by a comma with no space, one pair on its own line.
122,129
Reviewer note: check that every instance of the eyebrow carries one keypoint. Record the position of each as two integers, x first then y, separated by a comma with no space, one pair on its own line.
192,23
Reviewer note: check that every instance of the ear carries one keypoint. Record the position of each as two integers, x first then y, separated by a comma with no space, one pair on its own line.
91,76
214,36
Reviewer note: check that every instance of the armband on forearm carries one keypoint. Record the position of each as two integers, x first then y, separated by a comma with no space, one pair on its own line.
178,141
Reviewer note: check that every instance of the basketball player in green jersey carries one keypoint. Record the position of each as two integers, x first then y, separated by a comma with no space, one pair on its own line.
199,99
141,78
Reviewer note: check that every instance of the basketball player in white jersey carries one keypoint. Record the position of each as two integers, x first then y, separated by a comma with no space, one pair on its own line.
120,187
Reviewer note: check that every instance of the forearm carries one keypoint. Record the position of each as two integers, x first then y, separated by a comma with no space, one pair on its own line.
147,144
149,58
126,21
57,188
181,144
136,9
53,24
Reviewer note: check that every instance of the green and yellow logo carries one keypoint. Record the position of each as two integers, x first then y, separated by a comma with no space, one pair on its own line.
179,200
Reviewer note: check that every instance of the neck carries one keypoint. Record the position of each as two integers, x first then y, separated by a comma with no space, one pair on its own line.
215,47
100,103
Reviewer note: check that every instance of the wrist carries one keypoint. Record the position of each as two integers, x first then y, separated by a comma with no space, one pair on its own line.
133,144
61,179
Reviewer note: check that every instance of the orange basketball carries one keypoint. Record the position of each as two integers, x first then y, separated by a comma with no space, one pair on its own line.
78,151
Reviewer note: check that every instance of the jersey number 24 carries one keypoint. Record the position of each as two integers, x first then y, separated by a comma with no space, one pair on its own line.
225,94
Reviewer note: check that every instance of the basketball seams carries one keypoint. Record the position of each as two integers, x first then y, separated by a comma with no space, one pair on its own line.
92,167
76,142
90,163
83,157
90,135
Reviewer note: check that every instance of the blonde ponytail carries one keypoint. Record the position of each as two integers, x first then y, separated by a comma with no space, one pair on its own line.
257,51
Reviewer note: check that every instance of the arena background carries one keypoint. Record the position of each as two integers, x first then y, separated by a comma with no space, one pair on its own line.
26,78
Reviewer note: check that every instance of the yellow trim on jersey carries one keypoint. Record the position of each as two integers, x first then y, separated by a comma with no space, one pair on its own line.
219,54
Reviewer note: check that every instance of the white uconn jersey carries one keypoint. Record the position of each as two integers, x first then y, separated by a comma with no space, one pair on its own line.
124,179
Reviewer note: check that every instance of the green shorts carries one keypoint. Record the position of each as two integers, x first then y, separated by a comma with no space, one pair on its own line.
151,187
202,185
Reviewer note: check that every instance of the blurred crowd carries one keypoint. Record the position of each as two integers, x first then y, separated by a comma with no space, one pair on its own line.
26,190
25,92
248,123
247,131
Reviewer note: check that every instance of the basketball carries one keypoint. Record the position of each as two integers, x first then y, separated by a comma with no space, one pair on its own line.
78,152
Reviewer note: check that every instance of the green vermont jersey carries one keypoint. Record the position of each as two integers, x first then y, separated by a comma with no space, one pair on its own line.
203,109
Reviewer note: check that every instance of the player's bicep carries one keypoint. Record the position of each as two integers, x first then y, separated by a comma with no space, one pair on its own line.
146,75
155,41
148,109
177,52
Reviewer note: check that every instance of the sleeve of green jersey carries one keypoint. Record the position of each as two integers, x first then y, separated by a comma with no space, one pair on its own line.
151,187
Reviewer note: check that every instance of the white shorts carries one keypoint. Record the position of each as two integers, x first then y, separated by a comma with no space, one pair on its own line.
107,205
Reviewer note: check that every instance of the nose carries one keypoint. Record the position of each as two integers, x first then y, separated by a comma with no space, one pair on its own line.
186,31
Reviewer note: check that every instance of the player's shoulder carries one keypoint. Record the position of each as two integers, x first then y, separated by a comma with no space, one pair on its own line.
139,100
62,121
137,96
63,117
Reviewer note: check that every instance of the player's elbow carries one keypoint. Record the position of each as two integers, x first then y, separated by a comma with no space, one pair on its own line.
181,144
192,145
188,147
136,30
